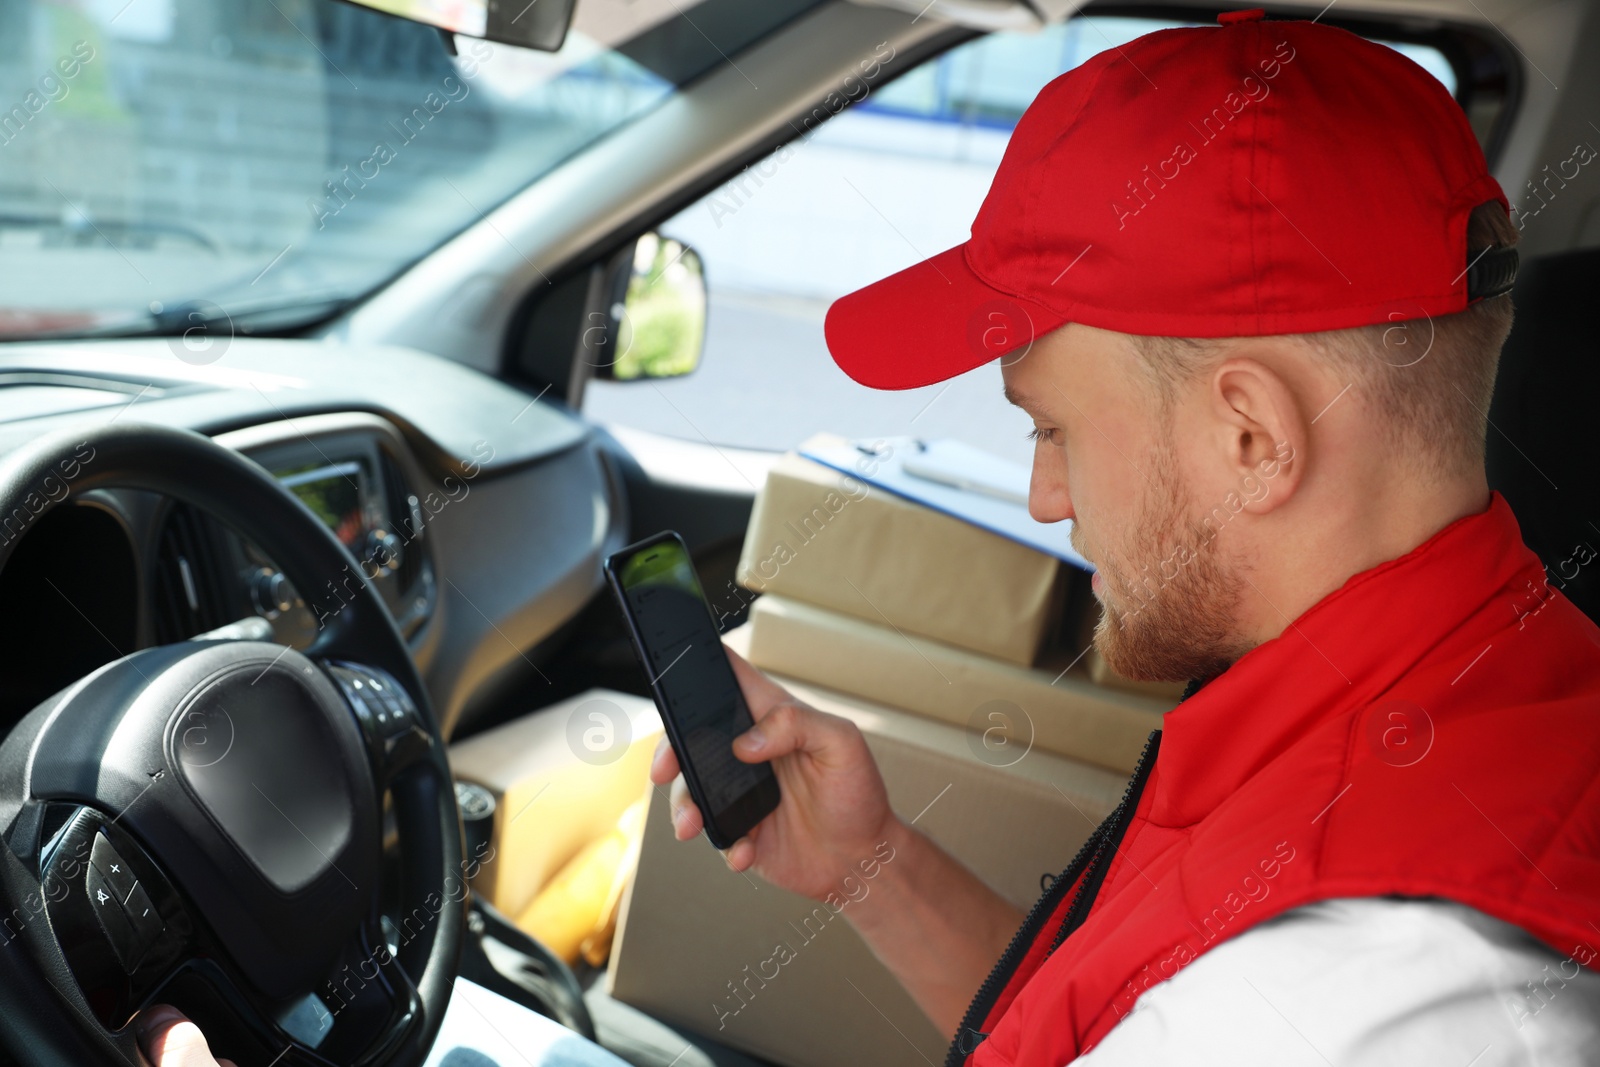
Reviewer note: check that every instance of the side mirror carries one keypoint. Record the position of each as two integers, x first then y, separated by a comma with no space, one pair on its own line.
658,316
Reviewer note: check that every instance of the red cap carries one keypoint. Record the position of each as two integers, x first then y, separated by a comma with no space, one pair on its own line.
1257,177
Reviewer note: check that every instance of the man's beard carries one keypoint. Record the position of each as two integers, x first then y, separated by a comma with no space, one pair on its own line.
1162,619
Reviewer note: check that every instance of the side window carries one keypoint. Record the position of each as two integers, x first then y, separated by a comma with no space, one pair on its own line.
894,179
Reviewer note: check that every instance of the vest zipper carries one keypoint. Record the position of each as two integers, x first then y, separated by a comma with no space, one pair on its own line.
1119,819
968,1037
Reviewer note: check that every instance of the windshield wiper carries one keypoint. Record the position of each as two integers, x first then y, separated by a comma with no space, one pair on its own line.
257,316
246,316
78,222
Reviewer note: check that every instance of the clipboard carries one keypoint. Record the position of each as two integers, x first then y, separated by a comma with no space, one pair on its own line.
957,479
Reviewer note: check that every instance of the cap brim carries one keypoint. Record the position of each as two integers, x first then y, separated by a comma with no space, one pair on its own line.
932,321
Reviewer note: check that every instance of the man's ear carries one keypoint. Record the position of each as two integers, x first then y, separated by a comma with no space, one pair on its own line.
1262,430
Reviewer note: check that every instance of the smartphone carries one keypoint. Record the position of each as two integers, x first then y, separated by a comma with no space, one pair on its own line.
693,683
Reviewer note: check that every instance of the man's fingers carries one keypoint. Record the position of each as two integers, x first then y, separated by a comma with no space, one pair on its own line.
686,819
664,764
169,1039
685,815
742,853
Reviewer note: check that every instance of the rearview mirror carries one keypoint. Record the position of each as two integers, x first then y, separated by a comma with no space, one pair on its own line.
540,24
659,324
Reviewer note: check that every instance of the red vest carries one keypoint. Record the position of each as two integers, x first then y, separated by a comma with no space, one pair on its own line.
1430,729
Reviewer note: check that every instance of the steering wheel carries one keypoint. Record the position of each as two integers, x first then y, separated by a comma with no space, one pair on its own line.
202,823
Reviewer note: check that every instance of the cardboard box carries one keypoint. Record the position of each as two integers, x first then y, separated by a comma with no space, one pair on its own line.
561,777
829,539
697,938
1063,712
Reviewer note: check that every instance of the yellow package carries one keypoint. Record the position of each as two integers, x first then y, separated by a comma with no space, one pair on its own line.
576,912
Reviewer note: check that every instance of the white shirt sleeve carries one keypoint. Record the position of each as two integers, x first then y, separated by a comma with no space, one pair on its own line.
1364,982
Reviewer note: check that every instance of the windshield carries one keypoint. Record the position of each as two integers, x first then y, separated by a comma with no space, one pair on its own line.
166,158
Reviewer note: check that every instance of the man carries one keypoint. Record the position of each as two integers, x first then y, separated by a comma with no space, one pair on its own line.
1244,279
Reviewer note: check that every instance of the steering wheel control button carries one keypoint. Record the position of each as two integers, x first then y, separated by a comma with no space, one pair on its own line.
389,697
143,917
121,926
113,920
125,911
113,868
385,713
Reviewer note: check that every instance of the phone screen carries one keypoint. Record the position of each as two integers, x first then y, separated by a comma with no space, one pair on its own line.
689,672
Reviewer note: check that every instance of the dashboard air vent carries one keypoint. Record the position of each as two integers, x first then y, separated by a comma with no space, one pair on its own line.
405,520
192,591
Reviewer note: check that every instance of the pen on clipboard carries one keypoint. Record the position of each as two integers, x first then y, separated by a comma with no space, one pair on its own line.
969,485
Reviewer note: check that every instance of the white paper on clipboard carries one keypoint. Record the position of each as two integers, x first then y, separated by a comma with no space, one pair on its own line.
957,479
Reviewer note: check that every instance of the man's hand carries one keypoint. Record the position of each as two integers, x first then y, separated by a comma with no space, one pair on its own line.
834,813
931,921
168,1039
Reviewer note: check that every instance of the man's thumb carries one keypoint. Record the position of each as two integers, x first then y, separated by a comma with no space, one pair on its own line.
787,728
169,1039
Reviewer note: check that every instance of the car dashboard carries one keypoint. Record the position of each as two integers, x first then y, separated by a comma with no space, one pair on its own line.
479,513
